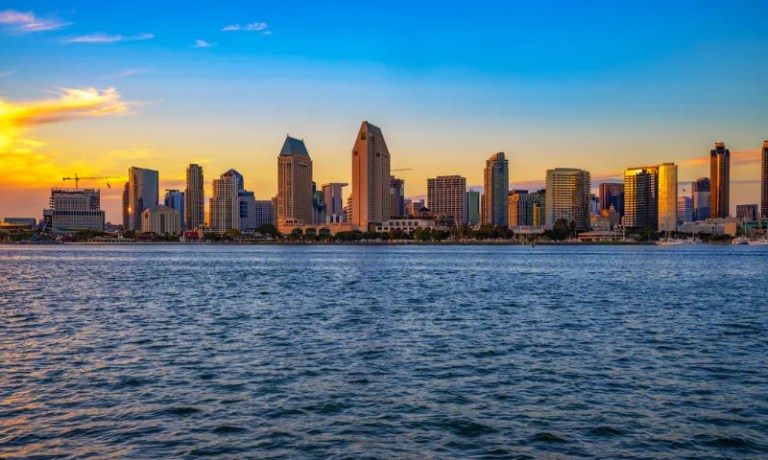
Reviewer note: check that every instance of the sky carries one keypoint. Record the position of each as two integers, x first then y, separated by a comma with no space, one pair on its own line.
94,87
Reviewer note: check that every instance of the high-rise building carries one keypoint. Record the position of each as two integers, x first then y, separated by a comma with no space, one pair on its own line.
496,194
667,197
720,177
520,208
701,199
246,202
225,203
650,197
746,212
74,209
143,193
318,206
764,182
264,213
333,195
174,199
473,207
294,183
194,198
540,208
446,197
568,197
612,194
161,220
370,177
126,206
684,210
396,197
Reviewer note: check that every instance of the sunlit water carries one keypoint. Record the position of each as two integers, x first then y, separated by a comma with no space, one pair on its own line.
384,352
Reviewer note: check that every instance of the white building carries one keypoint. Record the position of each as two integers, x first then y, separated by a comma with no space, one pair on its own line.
74,209
161,220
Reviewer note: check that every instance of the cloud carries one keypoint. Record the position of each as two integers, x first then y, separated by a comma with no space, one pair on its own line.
106,38
253,27
6,73
744,157
203,44
29,22
130,73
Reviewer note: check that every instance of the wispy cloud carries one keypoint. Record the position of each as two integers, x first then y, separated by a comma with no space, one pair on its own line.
252,27
746,157
203,44
6,73
107,38
23,22
130,73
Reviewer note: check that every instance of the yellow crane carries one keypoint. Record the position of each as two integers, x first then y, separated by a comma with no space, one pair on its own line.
77,179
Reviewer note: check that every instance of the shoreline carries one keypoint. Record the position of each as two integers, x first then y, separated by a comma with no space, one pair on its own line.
350,243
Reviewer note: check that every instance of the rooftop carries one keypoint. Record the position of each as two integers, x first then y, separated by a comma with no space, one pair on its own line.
293,146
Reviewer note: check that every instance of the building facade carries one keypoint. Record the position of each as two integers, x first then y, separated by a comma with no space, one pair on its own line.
667,197
684,210
650,197
225,203
333,194
143,193
318,206
473,207
764,181
446,196
700,193
264,213
294,183
746,212
246,202
612,194
568,197
720,180
520,208
194,198
175,199
495,202
72,209
370,177
161,220
396,197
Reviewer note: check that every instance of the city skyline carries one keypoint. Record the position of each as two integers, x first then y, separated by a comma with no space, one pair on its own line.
161,96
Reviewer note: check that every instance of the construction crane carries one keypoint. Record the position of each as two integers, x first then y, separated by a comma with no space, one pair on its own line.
77,179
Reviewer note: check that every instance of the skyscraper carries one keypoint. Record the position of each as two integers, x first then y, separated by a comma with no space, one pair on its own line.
246,202
612,194
568,197
520,208
194,198
667,197
446,197
333,194
684,209
370,177
473,207
720,177
764,182
496,194
396,197
318,206
126,206
143,193
294,183
174,199
746,212
650,197
225,203
701,198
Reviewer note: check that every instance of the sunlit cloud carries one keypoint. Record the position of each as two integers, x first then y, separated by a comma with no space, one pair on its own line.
252,27
744,157
20,159
23,22
203,44
107,38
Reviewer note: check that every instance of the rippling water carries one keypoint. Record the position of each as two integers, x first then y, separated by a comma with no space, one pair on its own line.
383,352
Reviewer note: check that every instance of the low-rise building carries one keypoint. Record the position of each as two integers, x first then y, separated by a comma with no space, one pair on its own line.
161,220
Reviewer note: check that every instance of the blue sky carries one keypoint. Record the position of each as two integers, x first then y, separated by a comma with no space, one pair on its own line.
599,85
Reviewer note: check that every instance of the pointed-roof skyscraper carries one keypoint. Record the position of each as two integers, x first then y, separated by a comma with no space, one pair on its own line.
370,177
294,184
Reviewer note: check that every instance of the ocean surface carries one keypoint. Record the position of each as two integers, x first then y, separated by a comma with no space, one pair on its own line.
353,352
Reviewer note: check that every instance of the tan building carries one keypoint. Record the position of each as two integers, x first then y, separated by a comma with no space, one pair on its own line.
667,197
161,220
294,184
650,197
194,198
720,180
447,196
370,177
567,197
224,212
495,201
